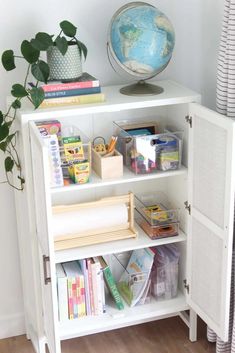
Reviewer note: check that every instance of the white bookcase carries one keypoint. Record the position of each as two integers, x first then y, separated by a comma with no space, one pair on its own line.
205,182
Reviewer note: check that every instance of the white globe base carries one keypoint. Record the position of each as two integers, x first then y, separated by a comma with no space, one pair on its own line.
141,88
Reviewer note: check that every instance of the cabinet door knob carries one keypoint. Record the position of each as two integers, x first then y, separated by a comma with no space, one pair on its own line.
47,279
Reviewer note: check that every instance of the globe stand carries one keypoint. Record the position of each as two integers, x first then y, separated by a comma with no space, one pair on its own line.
141,88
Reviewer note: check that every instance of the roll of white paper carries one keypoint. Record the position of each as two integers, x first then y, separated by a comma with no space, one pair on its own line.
89,219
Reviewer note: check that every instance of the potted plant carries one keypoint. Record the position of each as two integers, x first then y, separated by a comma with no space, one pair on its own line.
64,52
40,70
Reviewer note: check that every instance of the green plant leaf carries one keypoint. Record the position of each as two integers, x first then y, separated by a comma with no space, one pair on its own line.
68,28
61,44
9,123
10,137
42,41
16,104
1,117
3,146
82,48
40,71
18,91
4,131
8,60
37,96
30,54
9,164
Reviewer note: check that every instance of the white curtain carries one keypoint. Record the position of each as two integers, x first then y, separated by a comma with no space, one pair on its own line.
225,104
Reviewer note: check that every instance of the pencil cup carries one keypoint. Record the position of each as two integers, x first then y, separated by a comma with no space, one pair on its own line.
107,166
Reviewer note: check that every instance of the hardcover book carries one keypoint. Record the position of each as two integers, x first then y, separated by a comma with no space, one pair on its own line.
62,292
73,100
110,283
76,289
72,92
85,81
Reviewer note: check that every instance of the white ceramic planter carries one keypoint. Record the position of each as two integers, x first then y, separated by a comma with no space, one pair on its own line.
64,67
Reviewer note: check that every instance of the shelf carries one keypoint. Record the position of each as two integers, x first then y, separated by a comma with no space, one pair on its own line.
114,318
128,177
115,101
142,241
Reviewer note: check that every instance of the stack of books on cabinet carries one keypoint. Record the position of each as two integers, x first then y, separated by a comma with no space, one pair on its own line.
84,90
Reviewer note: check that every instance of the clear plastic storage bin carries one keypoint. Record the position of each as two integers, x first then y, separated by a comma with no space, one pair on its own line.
155,215
164,275
145,149
75,151
133,285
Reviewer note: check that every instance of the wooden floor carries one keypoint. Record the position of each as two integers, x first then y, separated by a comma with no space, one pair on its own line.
163,336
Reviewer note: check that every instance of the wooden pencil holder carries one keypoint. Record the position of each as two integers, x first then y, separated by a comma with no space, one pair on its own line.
107,166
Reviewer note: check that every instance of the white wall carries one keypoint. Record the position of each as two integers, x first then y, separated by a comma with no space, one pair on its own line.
197,24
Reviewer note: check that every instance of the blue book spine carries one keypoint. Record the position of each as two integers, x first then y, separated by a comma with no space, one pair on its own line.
72,92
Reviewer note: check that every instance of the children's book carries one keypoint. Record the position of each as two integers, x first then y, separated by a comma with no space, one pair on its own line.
76,291
62,292
84,267
135,278
110,283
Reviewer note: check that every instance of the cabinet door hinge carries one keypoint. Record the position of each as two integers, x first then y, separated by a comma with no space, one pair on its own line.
189,120
188,207
186,285
46,259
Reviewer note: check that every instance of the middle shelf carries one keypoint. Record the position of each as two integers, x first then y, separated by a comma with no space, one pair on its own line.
142,241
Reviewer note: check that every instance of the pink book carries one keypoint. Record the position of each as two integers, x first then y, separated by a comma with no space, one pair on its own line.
85,81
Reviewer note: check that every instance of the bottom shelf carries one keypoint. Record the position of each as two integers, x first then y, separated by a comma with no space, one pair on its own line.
114,319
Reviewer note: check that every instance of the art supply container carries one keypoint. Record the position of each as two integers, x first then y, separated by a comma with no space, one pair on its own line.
164,275
75,152
156,216
146,149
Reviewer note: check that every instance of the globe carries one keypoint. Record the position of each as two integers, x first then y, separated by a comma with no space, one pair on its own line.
141,41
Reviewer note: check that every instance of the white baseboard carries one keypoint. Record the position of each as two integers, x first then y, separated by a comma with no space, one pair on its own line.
12,325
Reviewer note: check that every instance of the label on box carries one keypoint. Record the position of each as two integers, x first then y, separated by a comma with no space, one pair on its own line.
49,127
54,160
79,172
144,147
73,148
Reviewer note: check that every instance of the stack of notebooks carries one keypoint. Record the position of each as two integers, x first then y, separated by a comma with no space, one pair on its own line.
84,90
81,288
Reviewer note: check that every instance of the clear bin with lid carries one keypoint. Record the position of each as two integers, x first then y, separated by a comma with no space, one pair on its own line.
156,216
146,149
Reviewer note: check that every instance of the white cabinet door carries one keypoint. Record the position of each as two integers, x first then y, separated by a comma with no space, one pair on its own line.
211,198
41,176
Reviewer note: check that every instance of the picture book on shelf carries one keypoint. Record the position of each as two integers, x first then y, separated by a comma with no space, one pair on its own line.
76,289
135,278
62,293
110,283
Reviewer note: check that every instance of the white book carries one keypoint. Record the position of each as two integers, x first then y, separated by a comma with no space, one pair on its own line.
62,292
97,286
101,287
